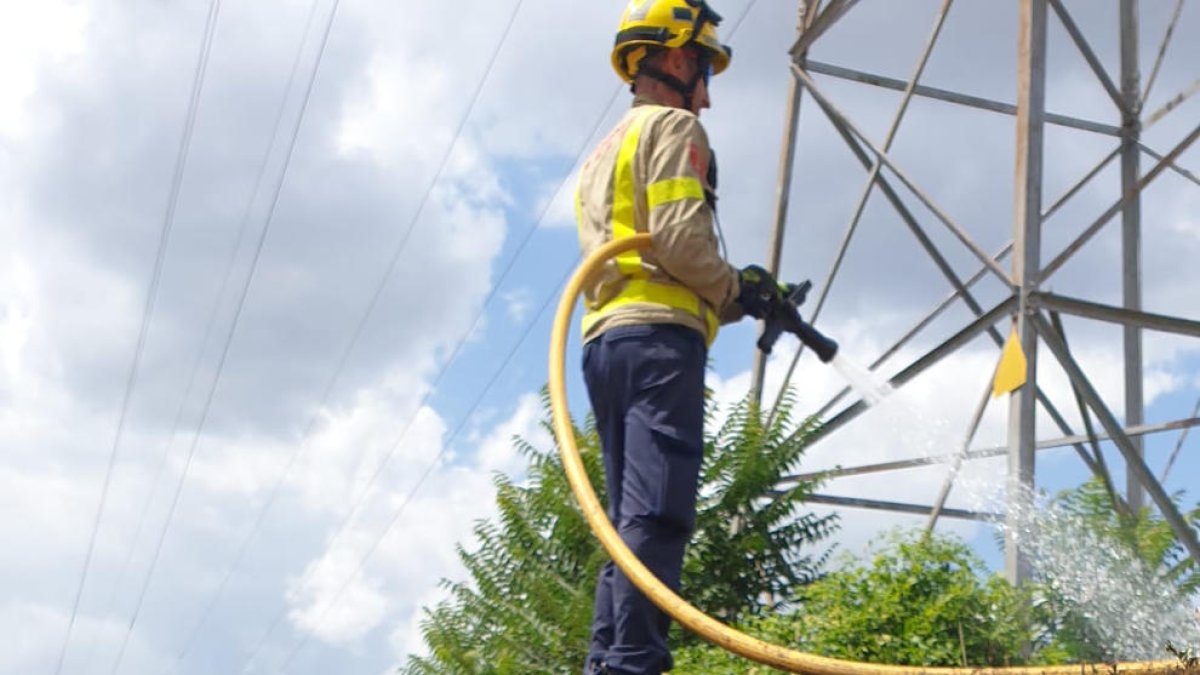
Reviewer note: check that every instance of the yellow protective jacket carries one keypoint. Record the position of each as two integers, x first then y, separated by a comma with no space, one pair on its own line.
649,175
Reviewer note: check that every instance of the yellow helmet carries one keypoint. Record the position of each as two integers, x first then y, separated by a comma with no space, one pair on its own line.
666,23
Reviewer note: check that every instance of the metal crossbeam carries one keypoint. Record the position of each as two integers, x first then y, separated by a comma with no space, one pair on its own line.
1100,469
1118,315
783,191
901,507
955,97
1131,230
1088,55
942,264
940,503
1162,51
1173,166
822,22
1170,105
1178,446
982,453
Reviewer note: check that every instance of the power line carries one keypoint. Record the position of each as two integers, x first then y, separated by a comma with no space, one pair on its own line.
295,133
451,359
466,417
357,334
212,317
185,143
343,526
432,465
479,315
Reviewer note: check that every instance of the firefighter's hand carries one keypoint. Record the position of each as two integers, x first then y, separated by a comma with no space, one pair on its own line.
760,293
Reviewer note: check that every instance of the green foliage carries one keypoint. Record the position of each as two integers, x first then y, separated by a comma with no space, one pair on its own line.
919,602
527,607
750,551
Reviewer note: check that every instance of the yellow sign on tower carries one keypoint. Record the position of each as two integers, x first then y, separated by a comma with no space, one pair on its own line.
1010,372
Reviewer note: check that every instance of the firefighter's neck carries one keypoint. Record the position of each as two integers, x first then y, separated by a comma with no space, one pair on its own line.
664,94
678,64
659,92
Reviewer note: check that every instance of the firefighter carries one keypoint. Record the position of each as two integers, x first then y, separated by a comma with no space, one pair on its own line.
652,315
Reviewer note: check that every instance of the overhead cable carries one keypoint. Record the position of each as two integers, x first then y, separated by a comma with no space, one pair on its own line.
295,133
213,312
164,236
546,303
341,364
467,416
556,289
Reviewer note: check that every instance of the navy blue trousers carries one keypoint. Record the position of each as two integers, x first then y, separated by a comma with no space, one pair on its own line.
646,385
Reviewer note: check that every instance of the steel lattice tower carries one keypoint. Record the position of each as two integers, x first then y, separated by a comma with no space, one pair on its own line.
1032,310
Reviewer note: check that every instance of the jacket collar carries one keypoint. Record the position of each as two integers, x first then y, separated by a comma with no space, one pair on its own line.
642,99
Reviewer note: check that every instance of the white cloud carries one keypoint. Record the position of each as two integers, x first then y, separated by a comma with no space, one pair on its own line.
1187,225
15,323
52,323
33,36
517,304
450,499
30,628
36,630
352,445
496,451
359,606
382,124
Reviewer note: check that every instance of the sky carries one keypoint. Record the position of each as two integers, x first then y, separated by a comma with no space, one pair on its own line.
347,275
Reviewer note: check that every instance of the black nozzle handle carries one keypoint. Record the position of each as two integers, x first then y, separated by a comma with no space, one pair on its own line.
774,327
771,332
824,347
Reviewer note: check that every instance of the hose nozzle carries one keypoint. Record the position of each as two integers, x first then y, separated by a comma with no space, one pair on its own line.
786,317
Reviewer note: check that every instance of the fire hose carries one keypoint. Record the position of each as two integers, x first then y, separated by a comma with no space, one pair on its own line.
721,635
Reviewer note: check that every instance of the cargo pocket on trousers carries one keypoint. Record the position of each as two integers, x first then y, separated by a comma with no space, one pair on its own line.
680,479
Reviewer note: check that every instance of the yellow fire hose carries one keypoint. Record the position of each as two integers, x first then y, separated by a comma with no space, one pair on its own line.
693,619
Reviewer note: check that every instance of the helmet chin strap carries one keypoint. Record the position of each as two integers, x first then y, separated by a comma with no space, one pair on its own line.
685,89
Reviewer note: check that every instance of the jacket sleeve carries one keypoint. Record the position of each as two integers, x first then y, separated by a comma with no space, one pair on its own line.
679,218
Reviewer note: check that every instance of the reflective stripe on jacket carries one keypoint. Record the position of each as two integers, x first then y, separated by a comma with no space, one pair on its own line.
648,175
